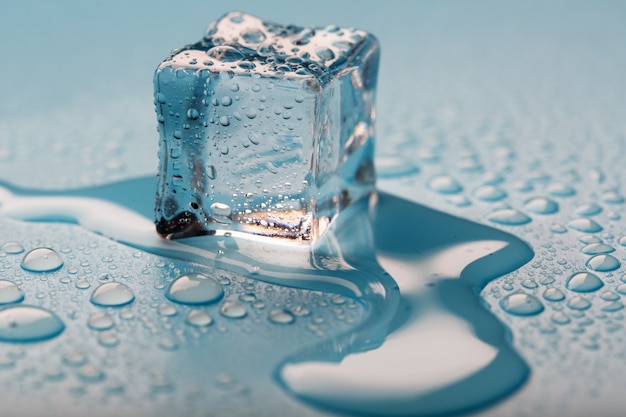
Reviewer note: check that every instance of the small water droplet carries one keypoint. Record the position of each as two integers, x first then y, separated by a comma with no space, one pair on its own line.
42,260
444,184
167,343
612,306
90,373
225,54
583,224
509,217
10,292
394,167
100,321
281,317
112,294
108,339
521,304
193,114
12,248
166,310
560,190
195,288
584,282
253,36
560,318
541,205
578,303
603,263
233,310
553,294
198,318
28,324
489,193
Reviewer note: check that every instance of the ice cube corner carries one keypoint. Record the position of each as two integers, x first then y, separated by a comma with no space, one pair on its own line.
265,129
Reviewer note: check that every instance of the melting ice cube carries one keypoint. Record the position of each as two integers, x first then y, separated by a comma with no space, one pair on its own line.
264,129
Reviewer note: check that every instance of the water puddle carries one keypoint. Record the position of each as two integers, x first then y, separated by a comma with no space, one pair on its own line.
427,344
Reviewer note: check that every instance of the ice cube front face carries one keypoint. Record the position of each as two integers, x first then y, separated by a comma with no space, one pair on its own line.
264,129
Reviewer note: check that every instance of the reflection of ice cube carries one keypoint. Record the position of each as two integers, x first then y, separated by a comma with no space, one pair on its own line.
265,129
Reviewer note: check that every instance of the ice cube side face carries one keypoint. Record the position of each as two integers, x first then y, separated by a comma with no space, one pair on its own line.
264,129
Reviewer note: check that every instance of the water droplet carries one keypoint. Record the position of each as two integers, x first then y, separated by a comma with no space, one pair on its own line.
10,292
509,217
560,190
612,306
253,36
325,54
74,357
584,282
394,167
578,303
553,294
90,373
82,284
612,197
28,324
167,343
224,121
521,304
281,317
166,310
193,114
198,318
195,288
444,184
100,321
560,318
12,248
112,294
585,225
233,310
225,54
42,260
529,283
597,248
541,205
590,209
489,193
558,229
621,289
603,263
227,101
108,339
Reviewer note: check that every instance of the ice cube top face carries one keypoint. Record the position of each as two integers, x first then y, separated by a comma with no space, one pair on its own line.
264,129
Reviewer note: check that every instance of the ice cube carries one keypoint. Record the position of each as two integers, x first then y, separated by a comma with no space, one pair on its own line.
264,129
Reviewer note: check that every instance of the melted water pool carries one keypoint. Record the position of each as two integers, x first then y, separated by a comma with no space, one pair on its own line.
403,357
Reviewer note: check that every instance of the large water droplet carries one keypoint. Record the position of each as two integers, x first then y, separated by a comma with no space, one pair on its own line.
10,292
509,217
112,294
603,263
584,282
444,184
585,225
541,205
521,304
233,310
42,260
28,324
195,288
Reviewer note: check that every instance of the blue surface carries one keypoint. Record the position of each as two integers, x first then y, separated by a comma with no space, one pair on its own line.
513,101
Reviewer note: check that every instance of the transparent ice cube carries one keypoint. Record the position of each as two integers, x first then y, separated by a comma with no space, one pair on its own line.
264,129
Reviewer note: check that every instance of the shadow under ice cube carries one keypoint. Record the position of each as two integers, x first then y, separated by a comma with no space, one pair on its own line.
264,129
